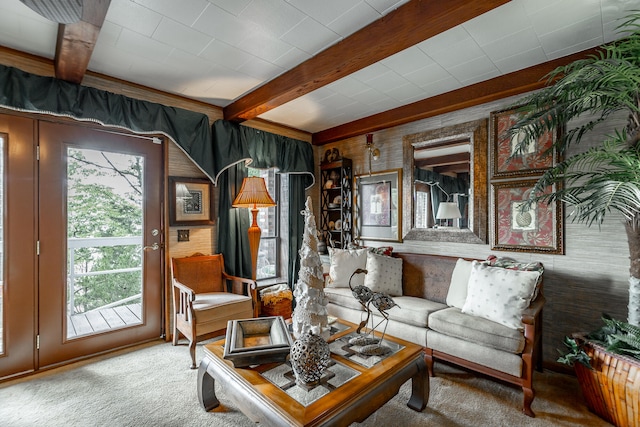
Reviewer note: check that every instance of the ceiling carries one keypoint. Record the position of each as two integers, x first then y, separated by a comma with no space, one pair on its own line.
320,66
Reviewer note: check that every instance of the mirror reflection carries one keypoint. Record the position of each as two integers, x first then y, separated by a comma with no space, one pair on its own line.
441,179
447,189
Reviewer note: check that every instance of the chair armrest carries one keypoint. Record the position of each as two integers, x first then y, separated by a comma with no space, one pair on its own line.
530,314
184,289
243,286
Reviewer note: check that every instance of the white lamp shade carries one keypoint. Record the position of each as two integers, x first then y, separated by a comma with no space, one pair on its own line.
448,210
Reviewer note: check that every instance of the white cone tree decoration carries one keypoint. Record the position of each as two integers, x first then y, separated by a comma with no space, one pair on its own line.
310,314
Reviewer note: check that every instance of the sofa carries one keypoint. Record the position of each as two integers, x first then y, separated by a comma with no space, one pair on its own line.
482,315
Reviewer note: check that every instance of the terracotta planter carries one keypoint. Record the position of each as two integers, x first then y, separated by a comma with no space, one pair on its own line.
612,388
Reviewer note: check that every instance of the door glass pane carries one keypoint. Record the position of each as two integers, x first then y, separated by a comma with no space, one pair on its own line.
104,241
2,142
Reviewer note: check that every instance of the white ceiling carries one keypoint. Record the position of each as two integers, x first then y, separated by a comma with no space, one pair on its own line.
218,50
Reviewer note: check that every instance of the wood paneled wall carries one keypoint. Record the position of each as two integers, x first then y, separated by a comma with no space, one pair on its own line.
591,278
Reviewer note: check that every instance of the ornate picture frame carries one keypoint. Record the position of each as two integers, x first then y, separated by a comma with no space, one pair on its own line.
504,162
540,229
194,209
378,206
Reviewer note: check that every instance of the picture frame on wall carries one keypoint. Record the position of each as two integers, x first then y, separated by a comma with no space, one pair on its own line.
505,162
378,206
538,229
191,201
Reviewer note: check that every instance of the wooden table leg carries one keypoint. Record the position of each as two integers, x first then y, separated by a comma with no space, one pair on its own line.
206,387
419,387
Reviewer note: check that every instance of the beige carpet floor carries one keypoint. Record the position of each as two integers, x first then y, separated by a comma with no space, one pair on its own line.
153,386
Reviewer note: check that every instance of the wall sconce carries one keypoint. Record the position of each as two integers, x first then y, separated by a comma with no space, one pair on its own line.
372,149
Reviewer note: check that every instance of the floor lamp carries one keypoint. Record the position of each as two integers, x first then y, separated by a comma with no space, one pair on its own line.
253,194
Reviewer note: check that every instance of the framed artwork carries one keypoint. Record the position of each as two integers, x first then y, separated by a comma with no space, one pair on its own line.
377,206
538,229
538,156
191,201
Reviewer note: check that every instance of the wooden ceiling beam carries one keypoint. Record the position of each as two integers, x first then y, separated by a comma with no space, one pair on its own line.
76,41
411,23
514,83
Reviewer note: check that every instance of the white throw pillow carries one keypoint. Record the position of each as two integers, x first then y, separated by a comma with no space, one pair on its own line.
384,274
457,295
499,294
343,263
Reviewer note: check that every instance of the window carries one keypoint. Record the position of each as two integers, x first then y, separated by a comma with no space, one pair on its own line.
270,220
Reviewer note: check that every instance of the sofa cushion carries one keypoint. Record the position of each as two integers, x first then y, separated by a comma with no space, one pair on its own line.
384,274
343,297
453,322
499,294
343,263
413,310
457,294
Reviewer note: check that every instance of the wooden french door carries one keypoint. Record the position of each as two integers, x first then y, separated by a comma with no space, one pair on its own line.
91,228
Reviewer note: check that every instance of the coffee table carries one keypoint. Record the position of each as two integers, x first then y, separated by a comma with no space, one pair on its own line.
353,387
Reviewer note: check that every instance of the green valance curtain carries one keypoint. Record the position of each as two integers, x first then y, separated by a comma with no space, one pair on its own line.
23,91
236,146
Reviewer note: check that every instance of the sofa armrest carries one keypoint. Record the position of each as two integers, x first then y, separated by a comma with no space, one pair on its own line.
244,286
530,314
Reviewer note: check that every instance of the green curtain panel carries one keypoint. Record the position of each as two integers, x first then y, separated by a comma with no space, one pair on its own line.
23,91
235,145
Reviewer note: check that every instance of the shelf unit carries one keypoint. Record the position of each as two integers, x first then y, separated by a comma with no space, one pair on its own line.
336,203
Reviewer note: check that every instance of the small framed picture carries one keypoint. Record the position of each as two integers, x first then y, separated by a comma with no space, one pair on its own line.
377,206
191,201
505,162
536,229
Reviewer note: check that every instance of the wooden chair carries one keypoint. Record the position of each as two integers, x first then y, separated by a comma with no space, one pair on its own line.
205,298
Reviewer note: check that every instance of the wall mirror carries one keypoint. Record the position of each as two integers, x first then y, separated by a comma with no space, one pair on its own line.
445,184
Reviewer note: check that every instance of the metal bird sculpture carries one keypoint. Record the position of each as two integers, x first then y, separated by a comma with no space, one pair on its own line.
363,294
382,302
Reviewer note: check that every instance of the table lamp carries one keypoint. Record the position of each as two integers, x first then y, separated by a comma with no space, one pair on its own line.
253,195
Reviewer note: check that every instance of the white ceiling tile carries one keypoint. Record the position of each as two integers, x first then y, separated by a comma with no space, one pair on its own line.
291,58
385,6
354,19
387,81
521,60
183,11
109,34
142,46
583,45
222,25
371,72
325,11
310,36
498,23
348,86
274,17
178,35
133,16
455,54
234,7
572,35
230,87
221,53
521,41
28,32
405,92
441,86
427,75
264,46
444,40
260,69
562,14
407,61
369,96
474,71
188,64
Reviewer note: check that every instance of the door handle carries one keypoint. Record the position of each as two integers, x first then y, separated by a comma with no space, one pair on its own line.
153,247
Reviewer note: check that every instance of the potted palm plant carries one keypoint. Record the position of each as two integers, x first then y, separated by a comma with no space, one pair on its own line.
600,180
